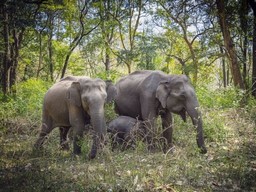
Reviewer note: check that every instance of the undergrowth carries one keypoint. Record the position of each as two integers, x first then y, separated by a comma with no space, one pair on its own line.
229,165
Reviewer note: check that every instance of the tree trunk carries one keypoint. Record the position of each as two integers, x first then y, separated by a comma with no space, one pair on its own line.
254,59
17,37
50,50
244,26
66,63
229,45
40,55
107,61
253,6
7,57
224,73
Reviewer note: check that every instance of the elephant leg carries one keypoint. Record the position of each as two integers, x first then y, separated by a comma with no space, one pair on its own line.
77,136
95,144
149,116
167,130
113,141
63,137
46,128
129,140
149,134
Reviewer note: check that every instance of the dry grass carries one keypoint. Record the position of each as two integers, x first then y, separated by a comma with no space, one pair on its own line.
229,165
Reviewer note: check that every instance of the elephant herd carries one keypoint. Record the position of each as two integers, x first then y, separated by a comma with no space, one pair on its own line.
139,98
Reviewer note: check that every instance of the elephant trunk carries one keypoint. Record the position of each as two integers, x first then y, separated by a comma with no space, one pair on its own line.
99,127
195,115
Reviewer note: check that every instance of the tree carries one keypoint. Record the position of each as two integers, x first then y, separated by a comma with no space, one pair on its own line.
229,45
83,8
132,13
244,10
16,17
108,10
188,19
253,6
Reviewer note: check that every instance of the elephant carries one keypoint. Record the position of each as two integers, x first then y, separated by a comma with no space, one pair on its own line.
147,94
124,130
111,93
75,102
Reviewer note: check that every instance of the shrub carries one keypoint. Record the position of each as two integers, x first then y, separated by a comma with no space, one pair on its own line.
220,98
27,99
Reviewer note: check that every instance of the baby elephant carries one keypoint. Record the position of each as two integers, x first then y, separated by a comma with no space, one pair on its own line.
124,131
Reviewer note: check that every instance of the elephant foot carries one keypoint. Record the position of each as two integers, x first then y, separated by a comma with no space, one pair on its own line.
64,146
203,150
92,155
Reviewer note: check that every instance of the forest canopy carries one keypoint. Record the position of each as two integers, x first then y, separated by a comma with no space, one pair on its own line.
209,41
213,42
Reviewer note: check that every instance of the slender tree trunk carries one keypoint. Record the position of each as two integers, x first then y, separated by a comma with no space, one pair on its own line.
40,55
50,49
254,59
107,61
66,63
253,6
224,73
229,45
17,37
244,26
7,57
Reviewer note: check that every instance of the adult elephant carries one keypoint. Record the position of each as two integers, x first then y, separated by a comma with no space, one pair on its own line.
147,94
75,102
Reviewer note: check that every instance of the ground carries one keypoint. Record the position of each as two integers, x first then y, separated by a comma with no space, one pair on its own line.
229,165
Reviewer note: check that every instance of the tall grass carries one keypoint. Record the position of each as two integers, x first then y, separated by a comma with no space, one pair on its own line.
228,166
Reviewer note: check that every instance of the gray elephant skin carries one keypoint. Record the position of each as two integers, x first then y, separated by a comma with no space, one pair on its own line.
148,94
124,131
75,102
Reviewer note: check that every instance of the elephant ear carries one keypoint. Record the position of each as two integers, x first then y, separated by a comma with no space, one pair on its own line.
73,94
162,93
111,91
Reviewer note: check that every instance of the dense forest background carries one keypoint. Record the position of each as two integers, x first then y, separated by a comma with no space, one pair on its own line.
212,42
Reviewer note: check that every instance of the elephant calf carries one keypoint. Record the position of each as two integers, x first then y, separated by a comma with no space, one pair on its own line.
124,130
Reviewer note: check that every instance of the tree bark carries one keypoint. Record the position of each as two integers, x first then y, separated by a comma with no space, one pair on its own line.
224,73
244,9
7,57
229,45
253,6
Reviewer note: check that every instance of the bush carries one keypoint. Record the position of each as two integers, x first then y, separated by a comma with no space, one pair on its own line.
27,100
108,75
220,98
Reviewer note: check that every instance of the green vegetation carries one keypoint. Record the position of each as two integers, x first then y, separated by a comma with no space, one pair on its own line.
212,42
229,164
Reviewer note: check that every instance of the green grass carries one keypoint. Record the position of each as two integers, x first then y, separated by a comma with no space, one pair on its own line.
229,165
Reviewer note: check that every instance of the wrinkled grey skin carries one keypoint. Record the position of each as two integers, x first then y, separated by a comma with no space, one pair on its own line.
111,93
147,94
124,131
75,102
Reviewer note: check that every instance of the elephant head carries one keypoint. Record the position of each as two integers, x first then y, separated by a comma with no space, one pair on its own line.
110,87
177,96
90,95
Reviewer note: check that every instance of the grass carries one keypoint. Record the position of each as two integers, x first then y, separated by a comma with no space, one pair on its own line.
229,165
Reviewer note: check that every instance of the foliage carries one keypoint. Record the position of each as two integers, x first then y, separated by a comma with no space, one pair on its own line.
220,98
27,101
177,37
